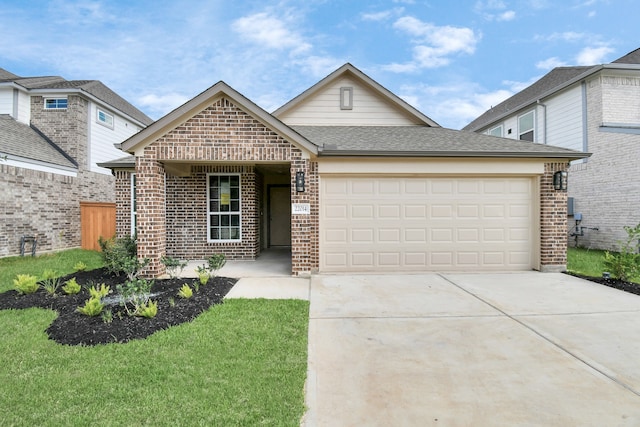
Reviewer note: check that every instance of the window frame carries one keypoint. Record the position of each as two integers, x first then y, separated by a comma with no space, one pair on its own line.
230,213
533,126
107,115
57,101
501,127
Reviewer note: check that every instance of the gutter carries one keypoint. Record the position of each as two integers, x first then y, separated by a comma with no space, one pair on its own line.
480,154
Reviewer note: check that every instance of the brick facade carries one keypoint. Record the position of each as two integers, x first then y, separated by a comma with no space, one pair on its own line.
48,204
220,133
553,221
606,187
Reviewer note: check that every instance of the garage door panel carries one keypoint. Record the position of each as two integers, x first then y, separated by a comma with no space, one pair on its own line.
426,224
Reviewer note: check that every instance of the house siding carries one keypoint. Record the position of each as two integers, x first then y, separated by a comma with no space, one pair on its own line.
368,109
564,120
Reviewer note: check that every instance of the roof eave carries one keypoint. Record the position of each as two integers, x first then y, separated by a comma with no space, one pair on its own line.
390,96
195,105
494,154
539,98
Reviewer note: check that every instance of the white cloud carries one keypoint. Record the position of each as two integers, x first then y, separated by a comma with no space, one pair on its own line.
270,32
567,36
593,55
550,63
159,105
382,15
433,44
456,104
509,15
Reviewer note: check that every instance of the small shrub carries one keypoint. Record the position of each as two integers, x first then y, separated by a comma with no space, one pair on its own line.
148,310
80,266
172,302
185,292
92,307
50,281
625,264
215,263
25,284
203,274
173,266
100,291
71,287
107,316
136,292
121,256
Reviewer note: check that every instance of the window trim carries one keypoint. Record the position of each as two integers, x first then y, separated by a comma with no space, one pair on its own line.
106,114
210,213
56,99
501,127
533,126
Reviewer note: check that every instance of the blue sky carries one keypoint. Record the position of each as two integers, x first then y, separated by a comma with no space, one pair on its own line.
451,59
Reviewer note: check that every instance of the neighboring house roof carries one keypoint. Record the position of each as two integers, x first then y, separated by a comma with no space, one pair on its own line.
94,88
423,141
24,142
368,81
554,81
547,84
202,101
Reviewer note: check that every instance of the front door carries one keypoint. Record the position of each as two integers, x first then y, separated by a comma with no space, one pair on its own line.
280,216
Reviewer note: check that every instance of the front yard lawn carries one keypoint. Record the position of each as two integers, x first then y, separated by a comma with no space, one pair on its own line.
242,362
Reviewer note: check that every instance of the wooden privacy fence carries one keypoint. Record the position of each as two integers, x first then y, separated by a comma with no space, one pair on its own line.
96,219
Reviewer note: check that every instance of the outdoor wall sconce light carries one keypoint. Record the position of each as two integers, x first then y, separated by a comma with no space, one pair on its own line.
560,180
300,182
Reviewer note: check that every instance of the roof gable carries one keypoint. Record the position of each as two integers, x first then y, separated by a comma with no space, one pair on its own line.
202,101
329,102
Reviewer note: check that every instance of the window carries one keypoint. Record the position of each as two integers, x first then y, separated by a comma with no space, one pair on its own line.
55,103
224,216
134,207
525,126
496,131
346,98
105,118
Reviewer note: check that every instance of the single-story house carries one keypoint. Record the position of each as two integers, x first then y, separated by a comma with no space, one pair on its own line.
349,176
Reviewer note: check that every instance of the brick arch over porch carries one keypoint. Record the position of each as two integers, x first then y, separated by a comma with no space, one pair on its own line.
220,139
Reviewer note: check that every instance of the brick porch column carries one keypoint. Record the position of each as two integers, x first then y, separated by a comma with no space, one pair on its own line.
553,221
151,217
304,228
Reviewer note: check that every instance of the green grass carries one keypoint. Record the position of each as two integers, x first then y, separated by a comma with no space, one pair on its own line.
588,262
62,262
242,363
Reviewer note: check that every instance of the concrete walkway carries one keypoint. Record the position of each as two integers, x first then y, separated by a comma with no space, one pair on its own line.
521,349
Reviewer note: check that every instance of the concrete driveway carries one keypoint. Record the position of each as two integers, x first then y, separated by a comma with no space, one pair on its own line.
513,349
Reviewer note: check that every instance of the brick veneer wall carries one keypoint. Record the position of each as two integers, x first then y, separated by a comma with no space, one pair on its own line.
553,221
123,202
220,133
47,204
606,187
38,203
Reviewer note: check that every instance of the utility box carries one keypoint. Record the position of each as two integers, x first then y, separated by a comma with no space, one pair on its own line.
569,206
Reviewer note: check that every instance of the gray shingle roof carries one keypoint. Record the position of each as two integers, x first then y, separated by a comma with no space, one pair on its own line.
92,87
18,139
423,141
555,78
632,57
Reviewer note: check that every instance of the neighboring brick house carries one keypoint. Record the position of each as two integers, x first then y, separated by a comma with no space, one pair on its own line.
53,132
347,175
593,109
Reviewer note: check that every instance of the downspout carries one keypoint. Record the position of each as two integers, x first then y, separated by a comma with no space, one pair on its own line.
544,118
585,128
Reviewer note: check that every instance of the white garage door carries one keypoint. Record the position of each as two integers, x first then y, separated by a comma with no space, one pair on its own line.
370,224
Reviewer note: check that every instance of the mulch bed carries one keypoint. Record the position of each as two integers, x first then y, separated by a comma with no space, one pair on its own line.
74,328
632,288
